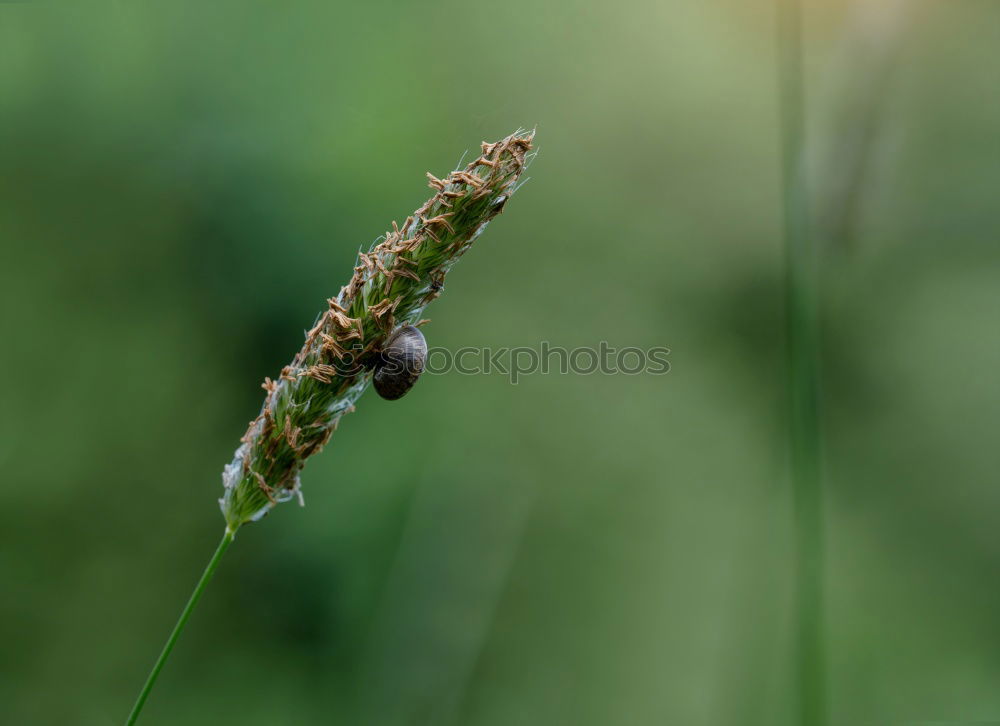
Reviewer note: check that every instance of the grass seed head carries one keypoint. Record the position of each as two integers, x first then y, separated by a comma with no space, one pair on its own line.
392,284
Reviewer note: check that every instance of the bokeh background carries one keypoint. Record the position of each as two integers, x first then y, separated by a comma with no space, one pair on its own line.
183,186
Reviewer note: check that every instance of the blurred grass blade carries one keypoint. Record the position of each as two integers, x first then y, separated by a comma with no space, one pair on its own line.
854,109
802,303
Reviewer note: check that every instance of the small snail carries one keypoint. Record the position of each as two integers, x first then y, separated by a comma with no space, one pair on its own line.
400,363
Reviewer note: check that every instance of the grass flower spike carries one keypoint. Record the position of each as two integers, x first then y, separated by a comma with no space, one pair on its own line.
392,284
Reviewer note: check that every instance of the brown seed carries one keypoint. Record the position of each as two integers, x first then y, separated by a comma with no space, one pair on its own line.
400,363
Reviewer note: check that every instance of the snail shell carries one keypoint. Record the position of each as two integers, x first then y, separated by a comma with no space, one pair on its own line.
400,363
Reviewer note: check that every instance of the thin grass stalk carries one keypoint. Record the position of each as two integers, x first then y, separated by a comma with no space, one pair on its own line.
802,310
206,576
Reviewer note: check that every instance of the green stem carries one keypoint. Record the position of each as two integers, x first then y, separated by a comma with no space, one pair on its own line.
227,539
802,301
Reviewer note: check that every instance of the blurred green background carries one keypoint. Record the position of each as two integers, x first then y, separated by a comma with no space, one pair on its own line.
184,185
